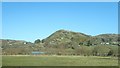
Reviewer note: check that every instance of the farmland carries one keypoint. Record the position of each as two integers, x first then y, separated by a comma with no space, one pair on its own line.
59,61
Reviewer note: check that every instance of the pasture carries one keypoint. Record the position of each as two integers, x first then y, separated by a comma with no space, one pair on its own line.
59,61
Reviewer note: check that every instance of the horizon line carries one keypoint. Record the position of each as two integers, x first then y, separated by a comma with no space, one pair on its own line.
54,32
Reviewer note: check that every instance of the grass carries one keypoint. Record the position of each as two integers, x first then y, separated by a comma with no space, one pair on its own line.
58,61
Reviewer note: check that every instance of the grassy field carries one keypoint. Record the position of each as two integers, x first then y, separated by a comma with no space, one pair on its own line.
58,61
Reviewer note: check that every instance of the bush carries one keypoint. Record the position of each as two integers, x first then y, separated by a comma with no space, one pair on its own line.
37,41
84,50
101,50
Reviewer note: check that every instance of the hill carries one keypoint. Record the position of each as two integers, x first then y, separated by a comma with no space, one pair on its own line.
66,38
64,42
16,46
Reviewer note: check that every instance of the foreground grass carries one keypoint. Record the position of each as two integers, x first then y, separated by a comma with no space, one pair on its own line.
58,61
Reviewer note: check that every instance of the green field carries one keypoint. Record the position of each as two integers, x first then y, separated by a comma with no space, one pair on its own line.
58,61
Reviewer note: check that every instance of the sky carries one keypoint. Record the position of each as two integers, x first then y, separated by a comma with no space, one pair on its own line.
37,20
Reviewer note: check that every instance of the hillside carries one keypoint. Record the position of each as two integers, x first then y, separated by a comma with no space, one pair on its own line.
15,46
65,42
67,39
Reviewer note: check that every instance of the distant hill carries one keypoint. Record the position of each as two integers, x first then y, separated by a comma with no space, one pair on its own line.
63,41
15,46
66,38
107,38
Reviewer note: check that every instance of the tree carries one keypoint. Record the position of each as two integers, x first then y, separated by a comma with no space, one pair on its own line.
89,43
43,40
113,51
37,41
